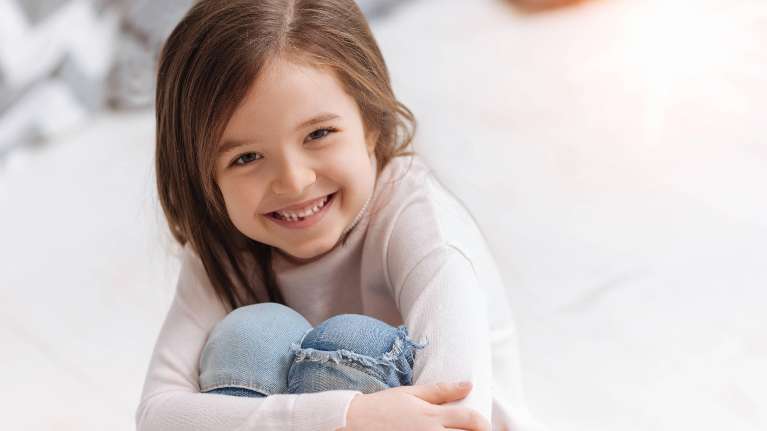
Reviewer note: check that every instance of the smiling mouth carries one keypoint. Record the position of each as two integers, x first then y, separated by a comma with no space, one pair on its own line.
298,216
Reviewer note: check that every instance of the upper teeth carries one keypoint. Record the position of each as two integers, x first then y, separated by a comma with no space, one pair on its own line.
305,212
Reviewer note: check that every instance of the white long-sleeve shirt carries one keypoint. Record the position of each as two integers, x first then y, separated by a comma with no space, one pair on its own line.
415,257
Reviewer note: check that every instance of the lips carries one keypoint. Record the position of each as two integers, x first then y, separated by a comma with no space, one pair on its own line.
303,222
301,205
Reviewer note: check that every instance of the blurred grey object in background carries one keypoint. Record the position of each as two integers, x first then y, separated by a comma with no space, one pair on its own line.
144,27
54,57
61,60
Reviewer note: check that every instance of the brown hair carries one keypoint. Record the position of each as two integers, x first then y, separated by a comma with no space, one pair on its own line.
206,66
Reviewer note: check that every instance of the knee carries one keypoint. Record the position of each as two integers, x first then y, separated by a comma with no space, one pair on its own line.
264,311
250,348
353,332
352,351
257,323
263,315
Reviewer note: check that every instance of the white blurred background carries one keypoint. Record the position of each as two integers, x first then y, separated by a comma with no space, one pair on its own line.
613,151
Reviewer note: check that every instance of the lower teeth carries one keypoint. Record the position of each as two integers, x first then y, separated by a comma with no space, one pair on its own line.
299,218
289,219
276,215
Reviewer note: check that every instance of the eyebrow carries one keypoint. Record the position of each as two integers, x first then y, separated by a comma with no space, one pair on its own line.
231,144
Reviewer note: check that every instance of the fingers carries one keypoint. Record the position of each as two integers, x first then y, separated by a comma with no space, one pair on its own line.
464,419
439,393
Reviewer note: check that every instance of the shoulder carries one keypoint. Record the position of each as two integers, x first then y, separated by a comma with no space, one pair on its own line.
420,218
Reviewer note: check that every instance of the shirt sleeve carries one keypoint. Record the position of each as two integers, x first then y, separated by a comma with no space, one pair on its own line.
442,303
171,399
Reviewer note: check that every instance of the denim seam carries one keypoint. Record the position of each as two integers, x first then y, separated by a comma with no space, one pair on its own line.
301,341
235,384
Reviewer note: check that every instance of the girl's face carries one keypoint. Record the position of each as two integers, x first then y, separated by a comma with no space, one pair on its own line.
296,139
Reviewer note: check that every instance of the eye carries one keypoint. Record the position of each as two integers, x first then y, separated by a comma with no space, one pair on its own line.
246,158
321,133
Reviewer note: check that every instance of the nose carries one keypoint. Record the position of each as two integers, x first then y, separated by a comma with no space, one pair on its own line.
293,177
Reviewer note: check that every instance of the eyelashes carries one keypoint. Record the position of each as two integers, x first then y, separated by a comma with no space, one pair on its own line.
327,130
236,162
245,158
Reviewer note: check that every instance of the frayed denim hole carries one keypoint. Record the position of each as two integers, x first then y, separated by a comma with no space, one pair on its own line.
296,347
336,356
362,362
344,357
399,348
412,342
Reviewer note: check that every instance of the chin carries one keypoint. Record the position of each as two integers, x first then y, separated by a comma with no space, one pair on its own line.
305,255
315,253
308,254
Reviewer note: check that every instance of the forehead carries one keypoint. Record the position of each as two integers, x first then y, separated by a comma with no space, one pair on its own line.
285,94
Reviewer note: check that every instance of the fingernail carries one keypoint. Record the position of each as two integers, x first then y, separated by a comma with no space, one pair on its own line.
464,384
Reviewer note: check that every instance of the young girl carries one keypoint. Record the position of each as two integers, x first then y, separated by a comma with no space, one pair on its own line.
316,248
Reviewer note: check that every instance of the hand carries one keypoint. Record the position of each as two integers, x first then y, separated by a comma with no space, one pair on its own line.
414,407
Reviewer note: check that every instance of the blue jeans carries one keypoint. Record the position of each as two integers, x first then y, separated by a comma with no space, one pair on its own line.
267,348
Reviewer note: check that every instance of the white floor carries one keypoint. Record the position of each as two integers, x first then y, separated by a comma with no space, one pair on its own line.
615,154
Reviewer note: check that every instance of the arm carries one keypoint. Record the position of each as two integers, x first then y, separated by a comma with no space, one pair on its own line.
441,301
171,399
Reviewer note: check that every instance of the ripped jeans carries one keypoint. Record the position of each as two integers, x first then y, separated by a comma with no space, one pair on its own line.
267,348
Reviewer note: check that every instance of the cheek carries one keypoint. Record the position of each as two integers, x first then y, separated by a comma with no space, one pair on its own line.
355,160
241,201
